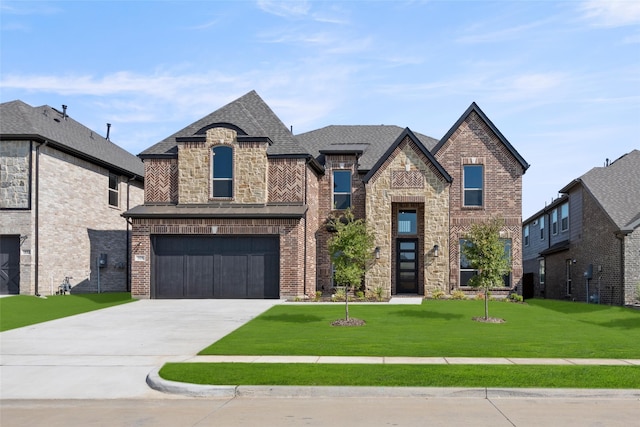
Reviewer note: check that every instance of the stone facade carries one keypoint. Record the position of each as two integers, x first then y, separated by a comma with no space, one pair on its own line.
421,189
15,178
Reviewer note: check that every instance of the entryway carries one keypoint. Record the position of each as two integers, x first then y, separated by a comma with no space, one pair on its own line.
407,266
9,264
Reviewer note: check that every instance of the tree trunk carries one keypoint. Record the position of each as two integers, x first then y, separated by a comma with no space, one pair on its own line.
346,303
486,304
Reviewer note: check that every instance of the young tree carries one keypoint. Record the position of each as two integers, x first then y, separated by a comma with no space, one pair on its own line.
351,251
485,252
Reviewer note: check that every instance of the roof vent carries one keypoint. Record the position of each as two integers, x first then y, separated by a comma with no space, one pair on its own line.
108,130
64,112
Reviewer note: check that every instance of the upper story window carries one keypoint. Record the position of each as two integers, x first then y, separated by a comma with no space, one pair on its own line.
473,185
526,235
222,173
541,228
564,217
341,189
113,190
554,222
407,222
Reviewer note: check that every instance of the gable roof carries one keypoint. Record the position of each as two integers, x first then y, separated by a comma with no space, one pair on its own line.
21,121
474,108
371,142
407,133
616,188
250,116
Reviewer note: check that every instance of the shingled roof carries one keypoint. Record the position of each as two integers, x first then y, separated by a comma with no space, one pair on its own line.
19,120
250,116
616,188
371,142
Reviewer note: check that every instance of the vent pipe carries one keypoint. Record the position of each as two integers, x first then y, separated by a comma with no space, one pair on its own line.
64,112
108,130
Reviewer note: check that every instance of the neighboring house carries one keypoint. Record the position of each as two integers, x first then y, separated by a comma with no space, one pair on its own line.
236,205
585,246
63,189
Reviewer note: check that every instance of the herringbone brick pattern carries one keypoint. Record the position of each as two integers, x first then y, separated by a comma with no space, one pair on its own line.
161,176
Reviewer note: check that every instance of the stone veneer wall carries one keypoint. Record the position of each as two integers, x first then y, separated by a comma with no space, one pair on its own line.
474,143
250,169
291,234
15,182
383,196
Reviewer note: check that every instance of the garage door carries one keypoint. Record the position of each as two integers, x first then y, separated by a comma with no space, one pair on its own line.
215,267
9,264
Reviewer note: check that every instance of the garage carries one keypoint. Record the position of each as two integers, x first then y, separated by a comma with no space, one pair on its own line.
9,264
215,266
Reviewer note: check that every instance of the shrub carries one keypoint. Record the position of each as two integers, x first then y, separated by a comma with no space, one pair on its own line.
515,297
339,295
458,294
438,294
318,295
378,291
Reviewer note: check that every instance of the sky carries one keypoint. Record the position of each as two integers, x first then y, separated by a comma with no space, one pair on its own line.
559,79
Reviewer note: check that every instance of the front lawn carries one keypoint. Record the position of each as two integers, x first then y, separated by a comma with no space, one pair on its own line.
438,328
23,310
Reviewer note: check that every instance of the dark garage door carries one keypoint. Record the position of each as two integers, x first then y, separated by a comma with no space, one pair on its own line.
9,264
215,267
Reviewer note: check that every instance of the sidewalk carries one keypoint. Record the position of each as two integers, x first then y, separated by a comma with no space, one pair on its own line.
411,360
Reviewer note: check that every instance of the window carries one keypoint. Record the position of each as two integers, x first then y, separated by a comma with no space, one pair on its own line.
222,172
473,184
341,189
466,272
554,222
113,190
541,271
542,228
564,217
526,235
407,222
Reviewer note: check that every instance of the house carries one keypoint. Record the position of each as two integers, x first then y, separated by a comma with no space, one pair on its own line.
63,189
236,205
585,246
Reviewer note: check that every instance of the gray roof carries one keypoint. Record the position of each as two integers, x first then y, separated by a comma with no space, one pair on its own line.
250,116
617,189
372,140
19,120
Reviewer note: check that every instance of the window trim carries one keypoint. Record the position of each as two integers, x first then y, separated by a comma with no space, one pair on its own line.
564,219
214,179
554,222
114,191
541,221
335,193
465,188
525,234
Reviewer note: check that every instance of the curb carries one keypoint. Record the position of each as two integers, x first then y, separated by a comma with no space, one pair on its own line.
230,391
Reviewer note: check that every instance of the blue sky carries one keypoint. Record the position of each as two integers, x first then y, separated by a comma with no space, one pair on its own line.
561,80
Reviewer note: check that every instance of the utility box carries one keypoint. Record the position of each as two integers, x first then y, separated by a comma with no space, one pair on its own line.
102,260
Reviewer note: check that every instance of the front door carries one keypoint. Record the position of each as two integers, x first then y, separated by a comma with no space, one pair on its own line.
407,266
9,264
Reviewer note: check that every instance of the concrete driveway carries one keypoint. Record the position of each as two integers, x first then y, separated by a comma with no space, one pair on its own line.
107,354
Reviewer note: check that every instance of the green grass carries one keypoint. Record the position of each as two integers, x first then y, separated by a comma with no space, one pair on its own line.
23,310
437,328
512,376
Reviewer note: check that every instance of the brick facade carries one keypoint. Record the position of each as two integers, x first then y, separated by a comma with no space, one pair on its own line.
475,143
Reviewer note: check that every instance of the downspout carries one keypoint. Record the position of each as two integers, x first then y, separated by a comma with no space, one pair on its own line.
36,221
306,241
128,245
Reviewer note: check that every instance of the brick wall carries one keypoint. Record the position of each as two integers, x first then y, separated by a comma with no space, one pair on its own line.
161,181
474,143
632,267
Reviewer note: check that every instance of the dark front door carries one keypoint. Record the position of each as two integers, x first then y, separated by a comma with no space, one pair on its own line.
9,264
407,266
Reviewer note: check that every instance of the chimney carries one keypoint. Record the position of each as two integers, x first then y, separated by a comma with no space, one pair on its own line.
108,129
64,112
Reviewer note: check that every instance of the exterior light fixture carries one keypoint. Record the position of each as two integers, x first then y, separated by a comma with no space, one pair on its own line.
436,250
377,252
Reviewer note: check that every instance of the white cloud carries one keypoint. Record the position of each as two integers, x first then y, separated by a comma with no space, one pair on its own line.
286,9
611,13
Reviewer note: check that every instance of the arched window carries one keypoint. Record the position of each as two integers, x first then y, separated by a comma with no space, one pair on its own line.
222,172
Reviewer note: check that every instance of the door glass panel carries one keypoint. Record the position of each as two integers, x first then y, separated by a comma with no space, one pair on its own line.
407,246
407,256
408,265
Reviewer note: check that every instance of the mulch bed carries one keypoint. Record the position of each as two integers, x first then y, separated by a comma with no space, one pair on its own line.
351,322
488,320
